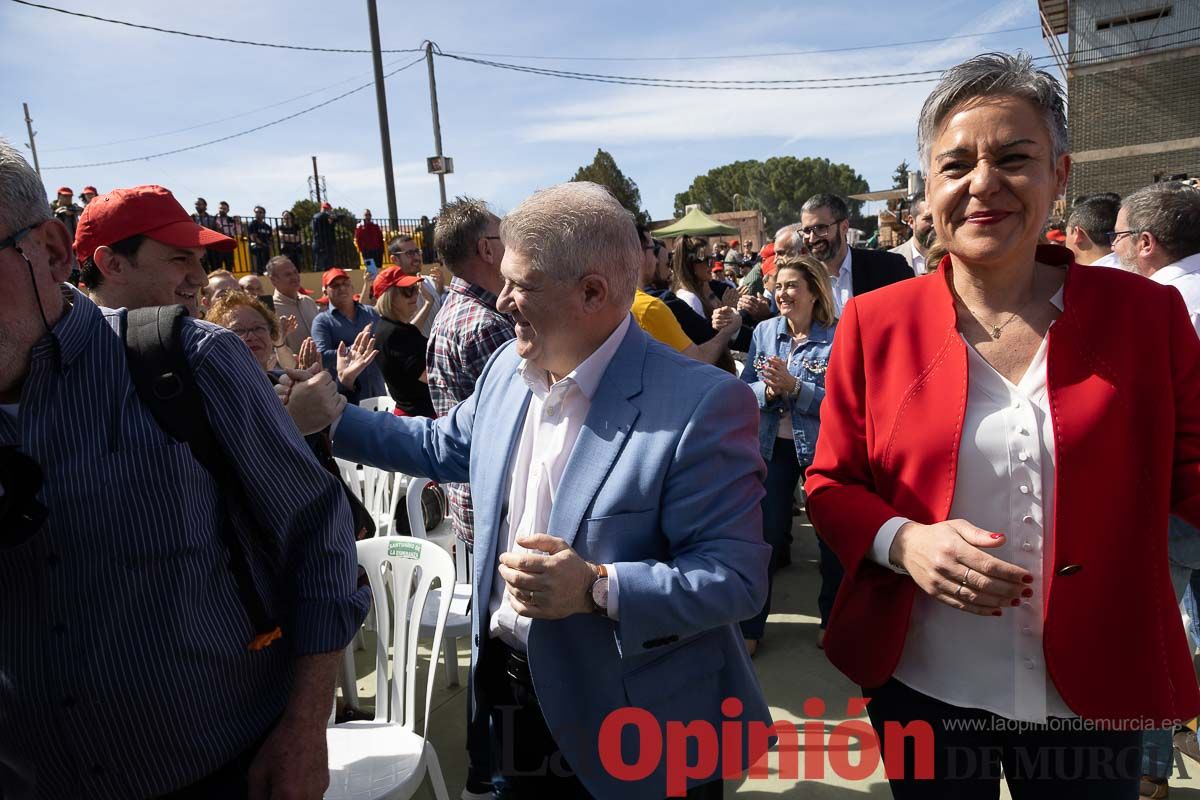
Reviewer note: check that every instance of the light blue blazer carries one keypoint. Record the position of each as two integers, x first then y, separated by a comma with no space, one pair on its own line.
664,482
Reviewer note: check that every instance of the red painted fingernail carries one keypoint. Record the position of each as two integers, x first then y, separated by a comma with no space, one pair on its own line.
997,535
996,613
1027,579
1026,593
1016,602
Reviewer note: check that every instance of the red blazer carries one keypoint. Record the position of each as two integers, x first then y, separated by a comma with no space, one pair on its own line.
1123,374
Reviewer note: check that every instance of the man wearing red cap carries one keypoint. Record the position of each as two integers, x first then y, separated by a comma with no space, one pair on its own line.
339,324
126,631
323,238
138,247
88,194
65,209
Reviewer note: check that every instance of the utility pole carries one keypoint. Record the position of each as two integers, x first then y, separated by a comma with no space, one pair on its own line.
33,145
385,137
316,181
437,123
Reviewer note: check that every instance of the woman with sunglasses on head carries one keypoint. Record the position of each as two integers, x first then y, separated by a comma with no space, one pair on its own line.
400,341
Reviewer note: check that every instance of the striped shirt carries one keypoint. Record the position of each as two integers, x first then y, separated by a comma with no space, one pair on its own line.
466,333
124,671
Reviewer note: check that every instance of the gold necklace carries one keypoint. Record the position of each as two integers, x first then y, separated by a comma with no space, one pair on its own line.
997,329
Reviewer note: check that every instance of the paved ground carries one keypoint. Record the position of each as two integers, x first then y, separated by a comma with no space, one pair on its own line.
790,667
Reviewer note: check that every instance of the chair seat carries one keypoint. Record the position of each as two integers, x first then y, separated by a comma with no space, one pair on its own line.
370,759
458,623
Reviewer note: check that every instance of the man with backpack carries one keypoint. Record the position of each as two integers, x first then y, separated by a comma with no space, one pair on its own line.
177,580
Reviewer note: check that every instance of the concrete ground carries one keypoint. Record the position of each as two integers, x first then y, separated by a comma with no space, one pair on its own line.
791,670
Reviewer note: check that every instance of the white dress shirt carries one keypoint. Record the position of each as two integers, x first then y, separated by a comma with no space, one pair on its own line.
918,262
1184,275
1110,260
1005,483
842,285
552,424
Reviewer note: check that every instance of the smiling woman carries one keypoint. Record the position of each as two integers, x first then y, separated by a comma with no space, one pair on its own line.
966,433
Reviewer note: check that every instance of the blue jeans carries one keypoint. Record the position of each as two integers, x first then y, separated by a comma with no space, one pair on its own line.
783,473
1183,550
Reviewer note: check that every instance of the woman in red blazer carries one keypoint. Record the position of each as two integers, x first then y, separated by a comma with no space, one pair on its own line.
1001,444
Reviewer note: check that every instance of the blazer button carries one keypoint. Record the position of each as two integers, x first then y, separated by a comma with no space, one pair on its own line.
1069,569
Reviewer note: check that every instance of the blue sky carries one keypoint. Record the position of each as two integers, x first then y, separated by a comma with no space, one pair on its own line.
509,133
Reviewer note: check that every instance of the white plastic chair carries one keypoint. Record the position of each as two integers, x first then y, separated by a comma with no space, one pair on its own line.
385,757
458,624
385,404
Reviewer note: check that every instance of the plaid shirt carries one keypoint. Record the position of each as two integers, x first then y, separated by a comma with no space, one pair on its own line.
465,333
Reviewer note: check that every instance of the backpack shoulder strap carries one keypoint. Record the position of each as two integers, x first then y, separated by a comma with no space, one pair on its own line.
165,384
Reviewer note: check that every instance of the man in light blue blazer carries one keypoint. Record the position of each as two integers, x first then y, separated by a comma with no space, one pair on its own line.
617,527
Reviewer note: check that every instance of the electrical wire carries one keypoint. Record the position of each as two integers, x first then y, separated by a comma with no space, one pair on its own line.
210,122
255,129
204,35
753,55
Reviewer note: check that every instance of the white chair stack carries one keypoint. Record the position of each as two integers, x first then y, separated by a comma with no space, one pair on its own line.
385,757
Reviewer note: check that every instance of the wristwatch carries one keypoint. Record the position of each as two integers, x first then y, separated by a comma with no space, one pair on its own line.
599,590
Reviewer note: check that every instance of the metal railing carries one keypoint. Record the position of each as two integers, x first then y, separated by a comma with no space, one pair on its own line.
296,242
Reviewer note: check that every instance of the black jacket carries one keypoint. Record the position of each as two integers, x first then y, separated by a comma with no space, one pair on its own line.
874,269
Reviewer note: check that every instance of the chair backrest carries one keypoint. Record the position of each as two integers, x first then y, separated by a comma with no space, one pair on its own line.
385,404
402,572
351,475
416,525
376,490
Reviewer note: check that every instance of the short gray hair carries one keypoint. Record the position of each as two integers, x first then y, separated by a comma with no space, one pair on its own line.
460,226
576,228
22,196
1169,210
992,75
276,261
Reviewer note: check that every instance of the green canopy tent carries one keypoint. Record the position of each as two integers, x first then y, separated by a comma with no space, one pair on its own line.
695,223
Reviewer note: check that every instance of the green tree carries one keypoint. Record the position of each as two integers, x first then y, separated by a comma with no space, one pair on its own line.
900,176
777,187
604,171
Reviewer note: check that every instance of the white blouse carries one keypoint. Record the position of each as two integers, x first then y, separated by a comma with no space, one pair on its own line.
1005,483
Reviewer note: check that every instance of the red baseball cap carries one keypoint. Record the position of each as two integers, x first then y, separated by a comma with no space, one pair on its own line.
149,211
332,274
65,190
89,190
1055,235
326,207
393,277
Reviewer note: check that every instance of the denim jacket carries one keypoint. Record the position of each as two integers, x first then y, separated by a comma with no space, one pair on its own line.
808,363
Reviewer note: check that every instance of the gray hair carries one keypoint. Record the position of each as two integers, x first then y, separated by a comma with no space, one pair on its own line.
1170,211
576,228
276,261
460,226
22,196
991,75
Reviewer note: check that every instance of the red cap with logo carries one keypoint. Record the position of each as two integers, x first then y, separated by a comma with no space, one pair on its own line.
393,277
332,274
149,211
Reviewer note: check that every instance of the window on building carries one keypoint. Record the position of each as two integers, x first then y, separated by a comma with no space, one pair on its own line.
1132,19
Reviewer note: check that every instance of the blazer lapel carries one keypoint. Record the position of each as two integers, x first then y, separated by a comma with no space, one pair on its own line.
602,436
489,486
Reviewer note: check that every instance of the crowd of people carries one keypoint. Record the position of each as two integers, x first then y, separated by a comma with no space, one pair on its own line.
991,427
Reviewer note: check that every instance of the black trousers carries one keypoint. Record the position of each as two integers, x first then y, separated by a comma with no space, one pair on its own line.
972,749
530,761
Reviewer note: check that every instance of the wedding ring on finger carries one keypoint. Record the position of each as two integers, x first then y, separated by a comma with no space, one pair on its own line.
966,575
961,586
529,599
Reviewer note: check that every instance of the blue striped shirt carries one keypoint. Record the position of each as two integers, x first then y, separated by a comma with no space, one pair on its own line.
124,671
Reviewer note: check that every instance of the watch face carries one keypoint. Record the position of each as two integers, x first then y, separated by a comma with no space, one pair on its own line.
600,593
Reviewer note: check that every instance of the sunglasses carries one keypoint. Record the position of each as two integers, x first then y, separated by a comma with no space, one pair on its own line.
408,291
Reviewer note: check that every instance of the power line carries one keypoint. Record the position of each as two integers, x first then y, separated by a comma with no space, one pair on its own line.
753,55
204,35
322,104
204,124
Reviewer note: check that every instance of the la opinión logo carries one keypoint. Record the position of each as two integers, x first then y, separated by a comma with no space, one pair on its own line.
851,749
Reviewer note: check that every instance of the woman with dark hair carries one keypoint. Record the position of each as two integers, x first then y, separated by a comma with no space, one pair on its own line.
1002,441
289,240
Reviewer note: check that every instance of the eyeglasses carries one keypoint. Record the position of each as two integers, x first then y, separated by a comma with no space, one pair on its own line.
15,240
1115,236
819,230
253,330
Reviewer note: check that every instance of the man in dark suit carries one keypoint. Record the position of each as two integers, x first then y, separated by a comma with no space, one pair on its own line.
824,221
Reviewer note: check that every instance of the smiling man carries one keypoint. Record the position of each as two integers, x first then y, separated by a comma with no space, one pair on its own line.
138,247
610,568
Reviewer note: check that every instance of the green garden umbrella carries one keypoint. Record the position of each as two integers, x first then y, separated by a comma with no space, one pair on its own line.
695,223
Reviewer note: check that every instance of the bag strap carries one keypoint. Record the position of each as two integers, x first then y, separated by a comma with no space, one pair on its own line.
164,381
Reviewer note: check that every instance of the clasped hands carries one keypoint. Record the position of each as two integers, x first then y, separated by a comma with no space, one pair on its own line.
948,561
779,381
552,583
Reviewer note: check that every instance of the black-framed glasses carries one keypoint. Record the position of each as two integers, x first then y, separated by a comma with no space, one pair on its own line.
819,231
1114,236
14,241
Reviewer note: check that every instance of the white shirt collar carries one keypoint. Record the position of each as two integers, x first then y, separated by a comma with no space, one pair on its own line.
1110,260
1172,272
589,372
845,268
